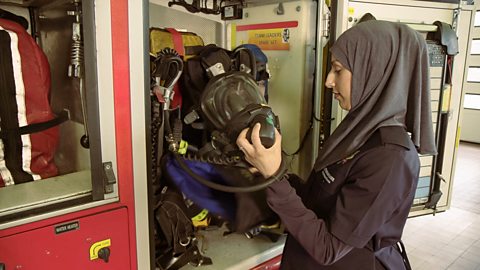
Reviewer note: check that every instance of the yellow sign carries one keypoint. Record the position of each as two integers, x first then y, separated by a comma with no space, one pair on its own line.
97,246
351,11
270,39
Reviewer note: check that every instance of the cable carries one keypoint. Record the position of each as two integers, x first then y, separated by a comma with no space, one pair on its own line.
224,188
302,142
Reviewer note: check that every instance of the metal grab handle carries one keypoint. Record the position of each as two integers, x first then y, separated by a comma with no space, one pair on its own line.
441,177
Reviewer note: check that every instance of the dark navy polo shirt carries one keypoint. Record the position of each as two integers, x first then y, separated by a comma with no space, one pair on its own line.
363,201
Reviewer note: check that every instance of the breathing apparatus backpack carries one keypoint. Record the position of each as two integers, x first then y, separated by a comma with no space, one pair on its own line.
185,44
242,211
211,151
220,98
176,243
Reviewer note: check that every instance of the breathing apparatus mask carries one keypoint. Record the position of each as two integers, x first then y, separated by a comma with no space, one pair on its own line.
230,103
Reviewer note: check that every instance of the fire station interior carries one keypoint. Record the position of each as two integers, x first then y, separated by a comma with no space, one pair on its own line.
117,77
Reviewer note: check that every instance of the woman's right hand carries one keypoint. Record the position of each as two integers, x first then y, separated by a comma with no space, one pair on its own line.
266,160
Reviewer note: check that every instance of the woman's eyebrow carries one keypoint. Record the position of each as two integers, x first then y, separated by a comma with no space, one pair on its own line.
337,63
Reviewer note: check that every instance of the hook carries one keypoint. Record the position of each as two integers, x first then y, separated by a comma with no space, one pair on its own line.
279,10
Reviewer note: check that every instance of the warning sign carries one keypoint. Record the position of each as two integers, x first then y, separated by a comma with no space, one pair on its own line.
270,39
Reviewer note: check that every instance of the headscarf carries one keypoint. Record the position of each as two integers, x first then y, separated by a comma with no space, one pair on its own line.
390,87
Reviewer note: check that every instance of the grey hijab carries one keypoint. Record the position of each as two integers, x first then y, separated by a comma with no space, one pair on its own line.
390,87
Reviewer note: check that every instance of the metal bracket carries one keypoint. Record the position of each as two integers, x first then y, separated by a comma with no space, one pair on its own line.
216,69
108,177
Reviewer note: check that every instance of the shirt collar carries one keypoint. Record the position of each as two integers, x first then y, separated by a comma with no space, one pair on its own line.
395,135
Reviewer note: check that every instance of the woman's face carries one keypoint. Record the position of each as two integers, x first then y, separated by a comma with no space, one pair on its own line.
339,79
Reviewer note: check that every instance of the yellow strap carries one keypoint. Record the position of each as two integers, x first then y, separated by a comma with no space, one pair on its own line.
233,29
200,216
182,149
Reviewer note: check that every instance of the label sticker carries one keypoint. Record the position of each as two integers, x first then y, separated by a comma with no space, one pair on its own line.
270,39
67,227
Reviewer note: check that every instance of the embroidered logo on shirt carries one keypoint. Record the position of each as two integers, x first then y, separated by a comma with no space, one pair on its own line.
343,161
327,176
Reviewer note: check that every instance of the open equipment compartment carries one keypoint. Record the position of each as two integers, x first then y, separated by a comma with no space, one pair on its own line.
83,218
65,32
286,34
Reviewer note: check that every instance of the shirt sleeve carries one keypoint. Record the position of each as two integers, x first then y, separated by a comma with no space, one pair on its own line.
378,183
302,223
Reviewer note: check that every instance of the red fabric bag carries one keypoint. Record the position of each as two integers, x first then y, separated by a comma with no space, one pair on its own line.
29,132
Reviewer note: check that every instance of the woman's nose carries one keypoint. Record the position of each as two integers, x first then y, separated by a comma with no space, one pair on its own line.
329,82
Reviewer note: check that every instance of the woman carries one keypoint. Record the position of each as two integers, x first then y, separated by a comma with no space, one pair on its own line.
351,212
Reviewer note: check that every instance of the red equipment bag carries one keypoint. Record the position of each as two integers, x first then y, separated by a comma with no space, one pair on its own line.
28,128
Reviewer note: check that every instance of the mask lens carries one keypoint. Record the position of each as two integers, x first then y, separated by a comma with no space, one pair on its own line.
228,94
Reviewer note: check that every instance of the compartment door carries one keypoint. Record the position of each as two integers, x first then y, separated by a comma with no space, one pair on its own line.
76,244
470,130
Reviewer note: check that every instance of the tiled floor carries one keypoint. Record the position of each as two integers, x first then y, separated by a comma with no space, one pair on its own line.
451,240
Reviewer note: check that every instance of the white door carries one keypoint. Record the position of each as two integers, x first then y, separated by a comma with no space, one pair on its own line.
470,129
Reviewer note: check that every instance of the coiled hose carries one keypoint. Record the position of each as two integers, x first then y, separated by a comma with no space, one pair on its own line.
224,188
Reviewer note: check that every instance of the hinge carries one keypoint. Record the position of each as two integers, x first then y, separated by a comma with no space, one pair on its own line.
326,24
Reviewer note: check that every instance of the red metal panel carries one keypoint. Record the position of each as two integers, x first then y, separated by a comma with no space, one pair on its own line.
56,247
272,264
54,220
123,127
288,24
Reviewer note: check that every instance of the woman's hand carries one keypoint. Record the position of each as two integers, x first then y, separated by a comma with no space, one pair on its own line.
266,160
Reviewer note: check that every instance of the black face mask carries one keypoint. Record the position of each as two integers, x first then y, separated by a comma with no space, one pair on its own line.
232,102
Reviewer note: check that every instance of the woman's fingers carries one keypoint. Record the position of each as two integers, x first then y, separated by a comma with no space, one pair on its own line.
266,161
278,138
242,142
242,137
256,136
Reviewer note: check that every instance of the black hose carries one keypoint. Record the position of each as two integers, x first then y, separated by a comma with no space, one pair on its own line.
220,187
168,67
166,122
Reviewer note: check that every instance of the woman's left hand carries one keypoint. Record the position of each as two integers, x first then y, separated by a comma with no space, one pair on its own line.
266,160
